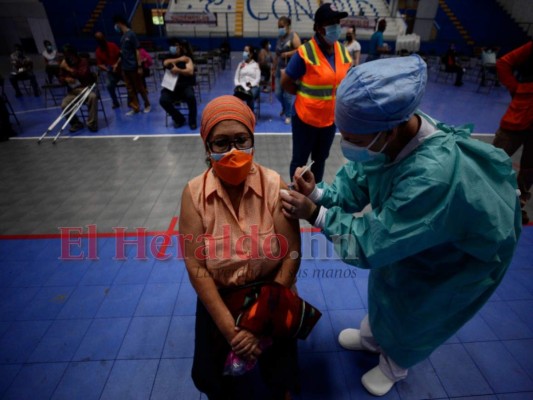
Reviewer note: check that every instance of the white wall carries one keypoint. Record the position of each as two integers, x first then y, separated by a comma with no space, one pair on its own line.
425,15
521,11
23,19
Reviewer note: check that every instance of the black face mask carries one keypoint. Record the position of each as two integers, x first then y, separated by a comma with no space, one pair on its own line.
349,38
102,44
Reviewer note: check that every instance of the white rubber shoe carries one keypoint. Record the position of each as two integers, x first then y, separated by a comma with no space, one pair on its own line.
376,382
350,339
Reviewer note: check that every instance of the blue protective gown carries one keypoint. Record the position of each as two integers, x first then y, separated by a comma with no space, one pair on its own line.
444,224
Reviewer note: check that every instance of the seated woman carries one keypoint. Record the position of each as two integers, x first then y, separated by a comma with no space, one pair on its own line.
179,64
51,61
236,237
247,77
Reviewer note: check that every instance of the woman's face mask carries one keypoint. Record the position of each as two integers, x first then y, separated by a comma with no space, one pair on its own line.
49,48
361,154
233,166
282,31
333,33
173,50
245,55
117,28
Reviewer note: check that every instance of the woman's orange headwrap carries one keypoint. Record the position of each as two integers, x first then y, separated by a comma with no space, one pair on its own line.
225,108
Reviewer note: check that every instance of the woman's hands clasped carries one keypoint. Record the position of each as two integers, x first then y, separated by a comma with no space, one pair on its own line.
245,344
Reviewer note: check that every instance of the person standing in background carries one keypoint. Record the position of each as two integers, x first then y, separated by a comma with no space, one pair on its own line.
132,68
377,46
516,126
108,61
287,44
313,74
451,65
353,46
264,59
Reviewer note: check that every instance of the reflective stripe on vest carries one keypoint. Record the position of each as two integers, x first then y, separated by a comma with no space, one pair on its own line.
323,92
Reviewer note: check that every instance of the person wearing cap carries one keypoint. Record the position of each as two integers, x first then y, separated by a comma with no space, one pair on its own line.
313,74
436,244
230,222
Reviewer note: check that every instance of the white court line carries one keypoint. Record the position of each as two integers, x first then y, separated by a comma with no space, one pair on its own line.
178,135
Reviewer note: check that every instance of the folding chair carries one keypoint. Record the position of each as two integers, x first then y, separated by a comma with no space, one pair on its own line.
56,91
83,110
68,113
10,110
100,103
182,108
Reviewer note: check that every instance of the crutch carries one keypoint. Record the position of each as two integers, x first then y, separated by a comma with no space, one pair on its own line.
66,111
74,111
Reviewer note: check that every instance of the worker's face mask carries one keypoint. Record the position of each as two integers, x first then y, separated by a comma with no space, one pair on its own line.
233,166
333,33
361,154
49,48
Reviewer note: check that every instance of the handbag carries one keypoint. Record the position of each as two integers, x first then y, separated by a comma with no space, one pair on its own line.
242,93
271,309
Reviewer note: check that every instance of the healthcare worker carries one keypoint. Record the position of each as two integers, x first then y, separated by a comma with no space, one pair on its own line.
444,223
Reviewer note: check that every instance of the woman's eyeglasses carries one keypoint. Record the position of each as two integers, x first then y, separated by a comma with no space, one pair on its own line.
224,144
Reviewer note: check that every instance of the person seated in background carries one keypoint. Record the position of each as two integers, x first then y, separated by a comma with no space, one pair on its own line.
488,63
108,61
74,71
247,77
451,65
51,61
178,83
236,195
22,70
265,64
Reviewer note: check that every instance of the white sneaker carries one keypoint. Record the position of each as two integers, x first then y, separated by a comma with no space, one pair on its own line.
350,339
131,112
376,382
147,109
288,121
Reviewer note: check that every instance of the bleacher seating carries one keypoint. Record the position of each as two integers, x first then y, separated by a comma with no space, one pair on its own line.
260,17
68,18
477,16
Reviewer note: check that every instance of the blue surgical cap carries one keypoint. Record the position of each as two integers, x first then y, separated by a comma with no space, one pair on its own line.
379,95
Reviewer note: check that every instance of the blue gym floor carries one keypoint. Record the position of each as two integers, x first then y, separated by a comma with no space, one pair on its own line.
124,329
